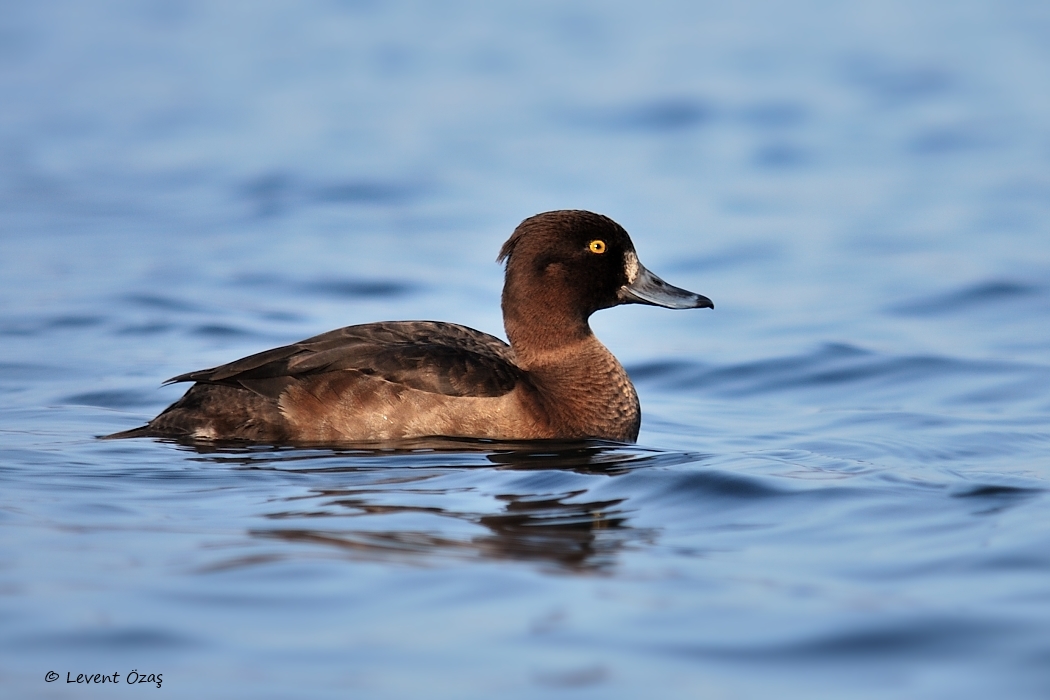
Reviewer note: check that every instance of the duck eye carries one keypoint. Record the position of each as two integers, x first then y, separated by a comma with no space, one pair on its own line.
596,246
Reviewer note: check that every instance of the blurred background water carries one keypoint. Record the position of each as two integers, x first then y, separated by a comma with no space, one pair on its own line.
840,488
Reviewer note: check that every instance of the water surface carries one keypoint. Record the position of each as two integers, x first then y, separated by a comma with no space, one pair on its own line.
841,485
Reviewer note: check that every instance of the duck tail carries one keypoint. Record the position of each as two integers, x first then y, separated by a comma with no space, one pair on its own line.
144,431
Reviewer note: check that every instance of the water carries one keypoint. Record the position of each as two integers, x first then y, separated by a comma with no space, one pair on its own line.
840,487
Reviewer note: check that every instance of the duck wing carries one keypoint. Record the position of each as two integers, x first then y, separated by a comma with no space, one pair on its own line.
442,358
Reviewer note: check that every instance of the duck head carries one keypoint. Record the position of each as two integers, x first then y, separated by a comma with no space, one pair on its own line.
577,262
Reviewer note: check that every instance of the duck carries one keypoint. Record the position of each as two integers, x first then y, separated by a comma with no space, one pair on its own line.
399,380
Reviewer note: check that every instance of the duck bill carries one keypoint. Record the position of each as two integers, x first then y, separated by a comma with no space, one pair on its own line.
646,288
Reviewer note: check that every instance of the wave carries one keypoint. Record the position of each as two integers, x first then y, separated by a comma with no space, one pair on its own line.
841,369
992,292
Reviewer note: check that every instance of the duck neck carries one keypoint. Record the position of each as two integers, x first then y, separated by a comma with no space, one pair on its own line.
546,337
582,384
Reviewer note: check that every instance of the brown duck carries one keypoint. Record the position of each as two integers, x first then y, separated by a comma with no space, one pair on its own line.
408,379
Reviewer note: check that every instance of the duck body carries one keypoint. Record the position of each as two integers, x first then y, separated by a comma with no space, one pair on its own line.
405,379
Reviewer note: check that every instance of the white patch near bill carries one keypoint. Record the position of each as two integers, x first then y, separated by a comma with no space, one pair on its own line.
630,266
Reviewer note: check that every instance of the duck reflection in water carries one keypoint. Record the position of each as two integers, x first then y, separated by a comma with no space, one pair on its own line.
572,536
393,492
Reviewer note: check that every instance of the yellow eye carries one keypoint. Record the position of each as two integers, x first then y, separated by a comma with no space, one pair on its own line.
596,246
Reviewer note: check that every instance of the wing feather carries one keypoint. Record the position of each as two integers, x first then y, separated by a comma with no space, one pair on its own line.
442,358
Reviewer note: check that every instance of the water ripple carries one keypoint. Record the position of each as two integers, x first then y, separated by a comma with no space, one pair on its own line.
985,293
834,369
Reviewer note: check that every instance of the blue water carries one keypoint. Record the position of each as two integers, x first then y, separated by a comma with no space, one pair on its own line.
841,485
